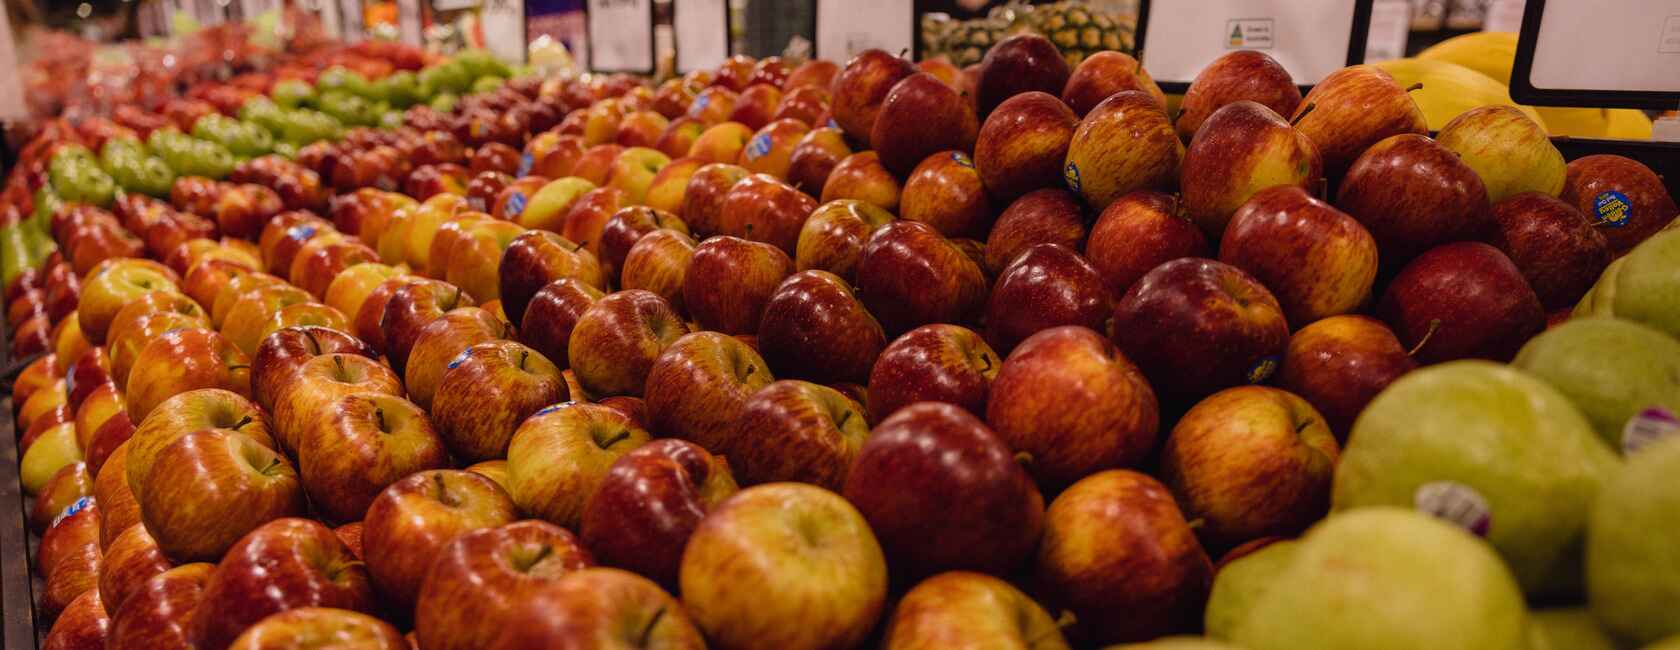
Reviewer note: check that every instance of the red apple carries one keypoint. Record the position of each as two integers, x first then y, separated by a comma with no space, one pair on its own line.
1041,404
1123,144
943,492
729,280
1047,285
1237,76
1243,148
1463,300
932,363
1196,325
305,626
1108,72
1118,553
697,386
1413,195
181,361
795,430
920,116
861,87
488,390
659,262
762,208
1023,144
412,520
814,327
1338,364
361,443
1353,109
605,607
560,454
1138,232
1317,260
1623,198
651,499
910,275
861,176
1556,247
1250,462
207,489
552,314
1018,64
759,521
286,564
160,613
483,576
945,191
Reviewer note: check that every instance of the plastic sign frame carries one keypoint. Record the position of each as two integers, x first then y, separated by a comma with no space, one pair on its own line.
1524,90
1263,28
595,40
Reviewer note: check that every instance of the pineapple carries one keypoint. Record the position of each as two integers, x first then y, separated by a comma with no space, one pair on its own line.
1077,29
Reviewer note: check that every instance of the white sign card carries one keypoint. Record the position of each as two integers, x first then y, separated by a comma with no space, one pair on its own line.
701,30
1391,22
503,22
1614,46
621,35
1310,38
847,27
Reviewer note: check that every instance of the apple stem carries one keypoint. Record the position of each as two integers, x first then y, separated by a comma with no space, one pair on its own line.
1434,324
272,463
242,422
443,495
1303,425
239,366
338,362
1416,86
1304,111
647,631
617,438
379,416
523,355
903,53
844,417
456,299
1023,458
1196,523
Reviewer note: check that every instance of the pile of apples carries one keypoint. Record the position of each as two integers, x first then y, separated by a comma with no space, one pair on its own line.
883,353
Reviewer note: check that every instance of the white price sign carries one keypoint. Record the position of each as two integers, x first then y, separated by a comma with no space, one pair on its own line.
621,35
1617,46
1310,38
847,27
701,30
11,86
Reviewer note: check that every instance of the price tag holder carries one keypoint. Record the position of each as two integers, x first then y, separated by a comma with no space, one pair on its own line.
1606,54
620,35
701,31
847,27
1310,38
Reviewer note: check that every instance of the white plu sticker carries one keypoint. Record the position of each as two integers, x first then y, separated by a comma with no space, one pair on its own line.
78,506
1455,502
1648,426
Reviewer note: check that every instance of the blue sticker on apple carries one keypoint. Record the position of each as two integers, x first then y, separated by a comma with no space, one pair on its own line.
1071,175
78,506
962,159
758,147
1262,369
524,164
70,380
549,409
459,359
699,104
300,231
833,124
515,204
1613,209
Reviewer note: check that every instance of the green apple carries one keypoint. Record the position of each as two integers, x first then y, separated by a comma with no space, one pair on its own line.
1633,561
1507,149
1507,447
1388,578
1572,628
1643,287
1241,583
1611,369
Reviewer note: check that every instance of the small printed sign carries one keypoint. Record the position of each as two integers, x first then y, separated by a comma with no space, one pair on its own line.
1250,34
